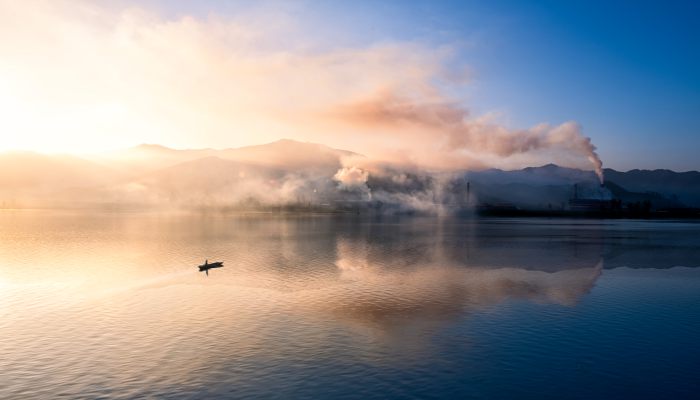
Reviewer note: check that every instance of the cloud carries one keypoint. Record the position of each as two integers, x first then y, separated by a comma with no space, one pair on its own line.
81,76
96,74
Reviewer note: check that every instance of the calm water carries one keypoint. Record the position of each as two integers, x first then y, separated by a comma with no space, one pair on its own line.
109,305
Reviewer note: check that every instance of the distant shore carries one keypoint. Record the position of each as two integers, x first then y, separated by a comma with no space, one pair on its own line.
680,213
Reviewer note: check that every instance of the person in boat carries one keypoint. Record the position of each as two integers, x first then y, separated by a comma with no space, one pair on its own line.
207,266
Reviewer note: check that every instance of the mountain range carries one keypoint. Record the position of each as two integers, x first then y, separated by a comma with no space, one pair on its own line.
289,172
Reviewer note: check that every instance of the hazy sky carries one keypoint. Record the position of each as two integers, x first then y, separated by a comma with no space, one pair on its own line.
373,77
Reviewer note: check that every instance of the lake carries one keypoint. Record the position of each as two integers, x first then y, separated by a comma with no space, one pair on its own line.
111,305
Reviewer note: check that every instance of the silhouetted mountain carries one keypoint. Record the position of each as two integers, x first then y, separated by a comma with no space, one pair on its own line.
549,174
287,171
683,187
551,185
657,200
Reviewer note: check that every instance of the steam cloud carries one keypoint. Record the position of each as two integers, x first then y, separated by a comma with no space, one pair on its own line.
450,125
351,177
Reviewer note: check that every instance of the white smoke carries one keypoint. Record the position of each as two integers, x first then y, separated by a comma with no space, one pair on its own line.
441,133
398,188
353,179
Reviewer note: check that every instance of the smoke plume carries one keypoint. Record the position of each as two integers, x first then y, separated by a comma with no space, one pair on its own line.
450,126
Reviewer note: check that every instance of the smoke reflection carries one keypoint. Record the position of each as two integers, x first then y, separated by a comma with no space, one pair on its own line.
386,288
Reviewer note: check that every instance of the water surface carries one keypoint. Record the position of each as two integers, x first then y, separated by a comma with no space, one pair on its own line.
110,305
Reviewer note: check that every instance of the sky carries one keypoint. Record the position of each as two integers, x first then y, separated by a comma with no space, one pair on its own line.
443,84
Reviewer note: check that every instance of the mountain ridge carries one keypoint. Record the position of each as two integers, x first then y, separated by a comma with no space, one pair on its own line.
304,172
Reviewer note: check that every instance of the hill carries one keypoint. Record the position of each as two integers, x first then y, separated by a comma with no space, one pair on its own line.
290,172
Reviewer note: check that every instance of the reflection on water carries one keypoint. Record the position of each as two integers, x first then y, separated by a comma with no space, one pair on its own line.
111,304
432,286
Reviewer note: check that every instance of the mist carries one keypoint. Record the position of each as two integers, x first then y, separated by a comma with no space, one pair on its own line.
281,176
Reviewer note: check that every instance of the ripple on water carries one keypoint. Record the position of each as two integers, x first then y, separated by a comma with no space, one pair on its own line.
336,308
